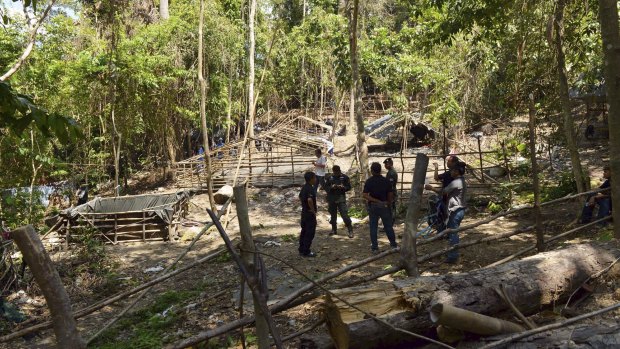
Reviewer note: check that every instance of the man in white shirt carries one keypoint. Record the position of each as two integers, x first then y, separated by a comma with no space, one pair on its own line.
319,169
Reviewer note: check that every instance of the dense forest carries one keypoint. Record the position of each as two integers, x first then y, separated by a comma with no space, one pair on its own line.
124,74
123,97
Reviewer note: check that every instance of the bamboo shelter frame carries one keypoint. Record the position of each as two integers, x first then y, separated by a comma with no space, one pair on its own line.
126,226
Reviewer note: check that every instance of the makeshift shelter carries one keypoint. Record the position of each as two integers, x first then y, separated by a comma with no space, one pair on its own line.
127,218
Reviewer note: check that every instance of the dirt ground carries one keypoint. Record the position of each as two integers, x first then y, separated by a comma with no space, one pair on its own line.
211,291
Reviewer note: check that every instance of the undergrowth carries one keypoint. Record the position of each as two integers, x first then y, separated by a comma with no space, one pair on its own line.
147,328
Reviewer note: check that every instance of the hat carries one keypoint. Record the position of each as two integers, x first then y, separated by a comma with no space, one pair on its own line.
388,161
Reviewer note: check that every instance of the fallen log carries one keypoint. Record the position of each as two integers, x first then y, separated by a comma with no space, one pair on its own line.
531,284
603,334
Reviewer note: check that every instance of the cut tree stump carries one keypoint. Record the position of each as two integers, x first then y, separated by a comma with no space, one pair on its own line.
222,195
531,283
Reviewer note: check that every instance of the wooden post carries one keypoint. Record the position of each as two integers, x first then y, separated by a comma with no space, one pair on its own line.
115,227
506,161
540,239
42,268
247,255
143,227
292,165
480,156
408,253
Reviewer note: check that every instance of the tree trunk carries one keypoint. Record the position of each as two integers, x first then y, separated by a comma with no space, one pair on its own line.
568,122
409,258
203,114
540,239
251,107
247,245
46,276
163,9
608,16
531,283
362,148
351,125
604,334
229,109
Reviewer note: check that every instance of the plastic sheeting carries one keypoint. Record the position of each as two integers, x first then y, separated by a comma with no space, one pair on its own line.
160,205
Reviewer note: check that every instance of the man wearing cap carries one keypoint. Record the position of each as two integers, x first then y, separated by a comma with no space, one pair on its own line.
379,194
392,176
336,185
454,196
446,177
602,199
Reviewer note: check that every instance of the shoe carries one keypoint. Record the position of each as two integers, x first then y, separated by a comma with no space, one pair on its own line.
333,232
394,247
375,251
350,233
452,261
308,255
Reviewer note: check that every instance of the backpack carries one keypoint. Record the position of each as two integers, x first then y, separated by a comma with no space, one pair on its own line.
436,212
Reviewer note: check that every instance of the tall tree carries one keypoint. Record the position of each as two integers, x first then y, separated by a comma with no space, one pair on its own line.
362,148
608,17
203,103
163,9
568,123
251,74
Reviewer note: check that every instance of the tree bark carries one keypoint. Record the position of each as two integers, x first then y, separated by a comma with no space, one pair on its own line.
31,43
408,253
251,106
605,334
163,9
608,17
362,148
203,102
532,283
568,122
540,239
247,255
46,276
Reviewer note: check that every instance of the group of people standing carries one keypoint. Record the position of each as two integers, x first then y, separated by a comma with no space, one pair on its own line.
379,192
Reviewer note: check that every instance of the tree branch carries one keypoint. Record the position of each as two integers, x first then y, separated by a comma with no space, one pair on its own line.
28,50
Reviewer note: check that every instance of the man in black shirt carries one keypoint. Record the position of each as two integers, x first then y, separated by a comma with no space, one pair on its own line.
379,194
392,176
336,186
307,196
602,199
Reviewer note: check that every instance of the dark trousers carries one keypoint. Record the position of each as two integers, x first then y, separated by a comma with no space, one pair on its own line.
338,206
374,213
308,228
319,183
604,209
454,222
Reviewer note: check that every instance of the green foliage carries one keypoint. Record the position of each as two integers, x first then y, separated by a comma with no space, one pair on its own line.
147,327
17,210
223,258
357,211
18,111
564,184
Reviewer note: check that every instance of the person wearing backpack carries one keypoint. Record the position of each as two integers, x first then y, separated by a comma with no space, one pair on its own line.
454,197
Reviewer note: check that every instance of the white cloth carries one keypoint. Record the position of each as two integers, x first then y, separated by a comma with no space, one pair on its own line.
320,171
